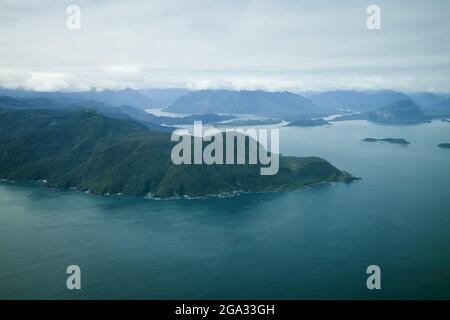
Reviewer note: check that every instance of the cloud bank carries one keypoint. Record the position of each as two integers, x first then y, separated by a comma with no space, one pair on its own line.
270,45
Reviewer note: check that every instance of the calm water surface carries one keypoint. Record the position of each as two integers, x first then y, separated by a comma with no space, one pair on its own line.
315,243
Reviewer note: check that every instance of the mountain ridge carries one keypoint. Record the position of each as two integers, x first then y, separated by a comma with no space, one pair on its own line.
243,102
88,151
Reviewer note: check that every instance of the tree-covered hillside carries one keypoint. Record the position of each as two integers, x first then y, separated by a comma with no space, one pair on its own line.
89,151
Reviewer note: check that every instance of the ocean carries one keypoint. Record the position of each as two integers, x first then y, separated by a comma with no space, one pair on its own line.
312,243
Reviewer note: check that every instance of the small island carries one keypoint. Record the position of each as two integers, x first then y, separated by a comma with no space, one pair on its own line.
444,145
399,141
445,120
309,123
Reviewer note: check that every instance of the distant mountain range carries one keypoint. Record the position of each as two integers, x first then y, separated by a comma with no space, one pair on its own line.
164,97
283,105
243,102
114,98
436,105
356,100
120,112
144,99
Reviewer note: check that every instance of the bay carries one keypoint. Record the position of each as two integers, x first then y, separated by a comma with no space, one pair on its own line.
313,243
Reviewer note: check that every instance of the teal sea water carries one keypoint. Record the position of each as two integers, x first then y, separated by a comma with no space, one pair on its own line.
315,243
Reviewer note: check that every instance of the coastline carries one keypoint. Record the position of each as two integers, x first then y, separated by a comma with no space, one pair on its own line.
149,196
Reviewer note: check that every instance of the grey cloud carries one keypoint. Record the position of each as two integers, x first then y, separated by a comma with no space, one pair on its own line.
273,45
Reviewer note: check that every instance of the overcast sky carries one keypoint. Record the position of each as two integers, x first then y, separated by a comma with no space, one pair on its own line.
272,45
